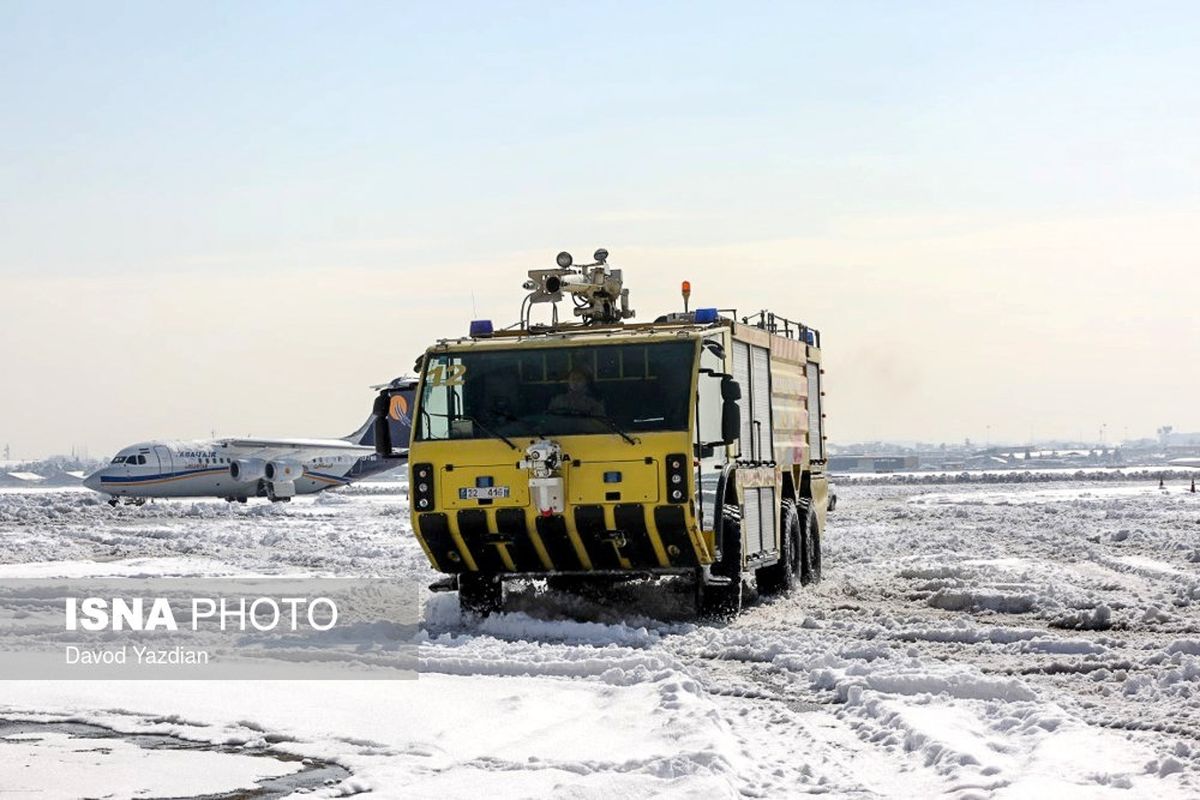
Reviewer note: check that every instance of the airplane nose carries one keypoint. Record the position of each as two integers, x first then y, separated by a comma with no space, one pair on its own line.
93,481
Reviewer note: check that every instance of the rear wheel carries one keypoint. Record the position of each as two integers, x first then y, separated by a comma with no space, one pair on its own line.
781,577
810,563
480,594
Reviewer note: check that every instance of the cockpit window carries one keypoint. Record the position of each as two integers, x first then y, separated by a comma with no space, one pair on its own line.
118,460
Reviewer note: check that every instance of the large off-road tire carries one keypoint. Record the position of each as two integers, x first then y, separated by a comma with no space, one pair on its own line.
480,594
782,576
718,601
810,563
721,601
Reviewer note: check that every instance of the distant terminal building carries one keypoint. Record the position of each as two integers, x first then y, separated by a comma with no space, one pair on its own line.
865,463
1179,444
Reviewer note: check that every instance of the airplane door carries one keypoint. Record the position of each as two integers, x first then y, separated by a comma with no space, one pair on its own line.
164,460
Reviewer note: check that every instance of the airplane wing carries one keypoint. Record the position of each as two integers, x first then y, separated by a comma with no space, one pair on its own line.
313,446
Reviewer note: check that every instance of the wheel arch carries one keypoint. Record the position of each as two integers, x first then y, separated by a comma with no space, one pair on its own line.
727,495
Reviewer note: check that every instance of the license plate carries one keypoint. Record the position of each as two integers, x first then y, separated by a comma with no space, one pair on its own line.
483,493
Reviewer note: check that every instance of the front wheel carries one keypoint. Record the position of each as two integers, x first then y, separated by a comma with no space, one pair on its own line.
723,599
718,601
480,594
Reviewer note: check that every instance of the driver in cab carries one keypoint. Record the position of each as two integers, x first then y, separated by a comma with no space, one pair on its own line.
577,400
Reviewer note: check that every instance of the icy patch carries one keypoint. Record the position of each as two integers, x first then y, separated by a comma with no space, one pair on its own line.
57,765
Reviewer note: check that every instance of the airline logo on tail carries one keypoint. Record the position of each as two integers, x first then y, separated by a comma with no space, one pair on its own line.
398,409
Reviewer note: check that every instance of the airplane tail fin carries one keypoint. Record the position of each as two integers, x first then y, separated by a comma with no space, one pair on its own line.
389,427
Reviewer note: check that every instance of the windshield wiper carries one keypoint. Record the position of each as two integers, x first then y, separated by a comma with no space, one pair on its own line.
482,427
608,421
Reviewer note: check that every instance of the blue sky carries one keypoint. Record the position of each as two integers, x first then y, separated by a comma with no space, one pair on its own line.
869,166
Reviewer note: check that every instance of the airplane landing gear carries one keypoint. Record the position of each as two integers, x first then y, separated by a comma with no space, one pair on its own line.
129,501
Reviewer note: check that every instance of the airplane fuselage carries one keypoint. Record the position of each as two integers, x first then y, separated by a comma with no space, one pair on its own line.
203,469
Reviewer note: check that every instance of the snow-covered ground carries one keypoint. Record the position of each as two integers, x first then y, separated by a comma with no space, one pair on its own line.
1040,640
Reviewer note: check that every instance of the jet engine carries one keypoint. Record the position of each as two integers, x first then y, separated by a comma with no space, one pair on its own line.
245,470
280,471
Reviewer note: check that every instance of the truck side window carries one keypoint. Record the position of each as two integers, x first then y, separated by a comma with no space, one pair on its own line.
438,401
709,408
709,401
741,374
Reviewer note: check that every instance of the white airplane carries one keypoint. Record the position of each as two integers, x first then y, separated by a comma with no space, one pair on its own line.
279,469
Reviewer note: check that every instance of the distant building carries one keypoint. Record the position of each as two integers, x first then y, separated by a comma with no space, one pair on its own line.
1180,444
867,463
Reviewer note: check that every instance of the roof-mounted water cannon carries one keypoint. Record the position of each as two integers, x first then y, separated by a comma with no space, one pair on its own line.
596,289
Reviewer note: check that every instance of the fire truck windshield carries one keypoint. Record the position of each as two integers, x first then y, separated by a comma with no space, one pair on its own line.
557,391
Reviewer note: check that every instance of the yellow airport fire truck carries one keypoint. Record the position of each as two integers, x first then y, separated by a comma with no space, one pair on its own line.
596,449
